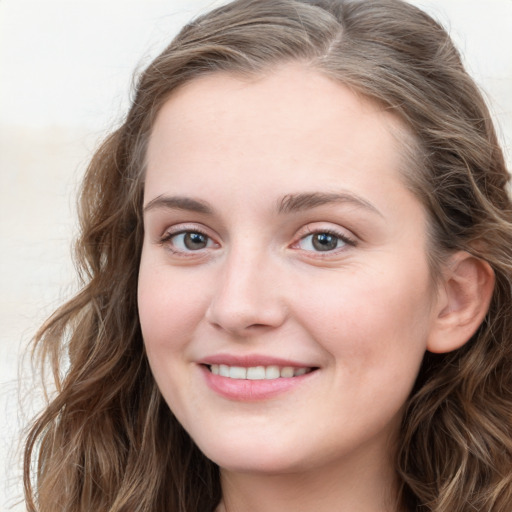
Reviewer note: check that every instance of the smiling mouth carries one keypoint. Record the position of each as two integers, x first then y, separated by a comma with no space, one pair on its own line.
271,372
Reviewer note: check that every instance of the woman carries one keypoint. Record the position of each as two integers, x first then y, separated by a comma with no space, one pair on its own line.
295,255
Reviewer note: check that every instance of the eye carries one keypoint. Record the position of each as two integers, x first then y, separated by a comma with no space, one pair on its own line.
323,241
187,241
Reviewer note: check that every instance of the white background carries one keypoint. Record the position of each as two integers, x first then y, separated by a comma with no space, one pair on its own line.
65,74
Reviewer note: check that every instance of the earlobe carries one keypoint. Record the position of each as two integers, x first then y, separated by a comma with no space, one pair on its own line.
464,297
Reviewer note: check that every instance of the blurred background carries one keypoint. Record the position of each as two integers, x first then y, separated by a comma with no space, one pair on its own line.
66,71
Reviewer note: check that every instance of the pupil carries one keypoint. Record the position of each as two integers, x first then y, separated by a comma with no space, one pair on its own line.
195,241
324,242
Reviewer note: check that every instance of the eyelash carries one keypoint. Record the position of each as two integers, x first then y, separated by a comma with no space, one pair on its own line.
167,238
341,237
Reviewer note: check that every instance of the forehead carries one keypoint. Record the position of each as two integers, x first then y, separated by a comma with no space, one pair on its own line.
293,92
289,122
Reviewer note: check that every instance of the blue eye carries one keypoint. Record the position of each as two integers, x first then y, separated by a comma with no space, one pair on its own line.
189,241
322,242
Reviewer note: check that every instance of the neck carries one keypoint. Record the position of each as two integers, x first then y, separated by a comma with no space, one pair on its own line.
349,489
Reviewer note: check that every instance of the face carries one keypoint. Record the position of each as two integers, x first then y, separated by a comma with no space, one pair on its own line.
285,296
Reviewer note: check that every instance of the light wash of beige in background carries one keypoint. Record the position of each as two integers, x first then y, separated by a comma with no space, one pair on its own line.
65,74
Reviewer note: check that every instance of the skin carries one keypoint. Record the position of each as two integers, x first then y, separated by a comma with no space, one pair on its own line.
362,314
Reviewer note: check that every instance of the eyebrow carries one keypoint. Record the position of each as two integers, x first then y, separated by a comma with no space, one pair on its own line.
292,203
178,203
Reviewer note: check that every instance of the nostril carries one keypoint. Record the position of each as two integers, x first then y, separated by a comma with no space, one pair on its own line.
239,308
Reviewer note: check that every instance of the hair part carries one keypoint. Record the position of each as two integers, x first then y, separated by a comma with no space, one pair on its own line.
107,440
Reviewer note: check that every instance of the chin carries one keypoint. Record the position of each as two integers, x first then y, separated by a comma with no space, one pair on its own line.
253,457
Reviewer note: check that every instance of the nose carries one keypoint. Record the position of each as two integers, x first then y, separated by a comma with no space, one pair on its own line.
248,296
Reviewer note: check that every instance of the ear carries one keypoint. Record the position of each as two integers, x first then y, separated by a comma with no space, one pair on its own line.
464,296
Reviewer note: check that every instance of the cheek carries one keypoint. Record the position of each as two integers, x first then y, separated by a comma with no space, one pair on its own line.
168,309
371,319
169,312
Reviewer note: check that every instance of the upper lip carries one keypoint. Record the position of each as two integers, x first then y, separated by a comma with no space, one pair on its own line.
251,360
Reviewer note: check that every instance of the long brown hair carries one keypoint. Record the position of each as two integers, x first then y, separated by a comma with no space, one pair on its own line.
107,441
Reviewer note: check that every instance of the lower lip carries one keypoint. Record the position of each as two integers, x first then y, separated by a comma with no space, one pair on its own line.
247,390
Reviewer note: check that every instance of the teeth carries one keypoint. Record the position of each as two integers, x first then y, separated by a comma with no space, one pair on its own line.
272,372
287,372
257,372
237,372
